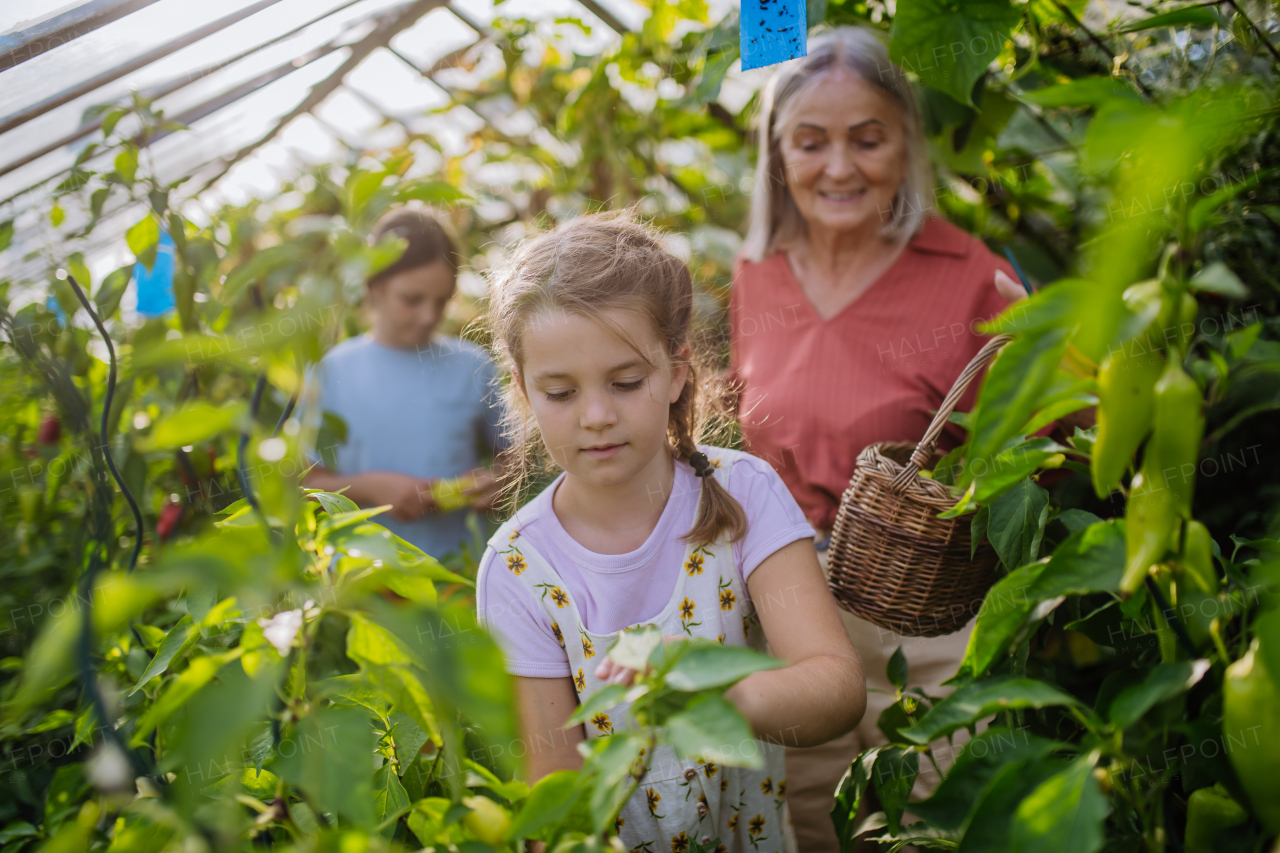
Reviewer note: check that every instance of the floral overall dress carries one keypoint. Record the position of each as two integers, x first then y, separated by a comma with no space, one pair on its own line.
678,801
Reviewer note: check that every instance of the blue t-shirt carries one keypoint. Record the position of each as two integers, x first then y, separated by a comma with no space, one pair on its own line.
420,412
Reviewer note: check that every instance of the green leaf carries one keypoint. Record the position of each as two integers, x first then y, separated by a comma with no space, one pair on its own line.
389,796
354,689
370,644
980,759
1218,278
181,637
895,775
896,669
712,728
1011,392
199,672
1014,523
1202,16
17,829
107,296
143,236
1014,464
948,44
987,830
111,119
195,422
333,504
409,738
479,776
270,260
611,762
1064,814
1004,610
432,192
126,164
1089,560
970,704
849,792
57,215
978,529
1083,92
53,720
6,234
602,700
549,802
1164,681
707,664
333,762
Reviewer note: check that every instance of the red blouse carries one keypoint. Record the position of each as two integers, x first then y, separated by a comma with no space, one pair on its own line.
816,392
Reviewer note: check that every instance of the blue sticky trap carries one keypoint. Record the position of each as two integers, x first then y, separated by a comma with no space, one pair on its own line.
51,302
772,31
155,285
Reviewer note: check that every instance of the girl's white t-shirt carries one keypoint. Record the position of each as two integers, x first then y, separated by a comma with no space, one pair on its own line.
613,591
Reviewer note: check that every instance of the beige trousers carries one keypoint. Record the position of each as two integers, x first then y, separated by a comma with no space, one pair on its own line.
813,773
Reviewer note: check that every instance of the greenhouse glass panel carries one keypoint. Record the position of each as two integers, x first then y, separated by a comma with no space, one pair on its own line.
394,87
104,48
439,33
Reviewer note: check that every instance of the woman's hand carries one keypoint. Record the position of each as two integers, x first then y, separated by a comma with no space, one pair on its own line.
1011,290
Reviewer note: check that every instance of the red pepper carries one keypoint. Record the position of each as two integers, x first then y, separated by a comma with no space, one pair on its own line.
170,515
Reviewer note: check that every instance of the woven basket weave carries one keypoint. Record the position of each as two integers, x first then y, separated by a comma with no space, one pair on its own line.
891,560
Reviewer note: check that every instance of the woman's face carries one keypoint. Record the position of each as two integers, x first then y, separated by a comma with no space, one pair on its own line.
601,409
407,307
844,154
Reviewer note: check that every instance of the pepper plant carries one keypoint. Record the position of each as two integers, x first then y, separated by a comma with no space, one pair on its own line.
1125,666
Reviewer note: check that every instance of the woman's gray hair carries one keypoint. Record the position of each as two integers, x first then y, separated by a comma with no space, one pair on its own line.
775,219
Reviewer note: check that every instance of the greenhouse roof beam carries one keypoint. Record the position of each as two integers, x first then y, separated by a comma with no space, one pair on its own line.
188,116
610,20
163,89
112,74
56,31
467,19
380,37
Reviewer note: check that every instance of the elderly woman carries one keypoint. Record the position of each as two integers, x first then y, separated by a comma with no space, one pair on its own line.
852,313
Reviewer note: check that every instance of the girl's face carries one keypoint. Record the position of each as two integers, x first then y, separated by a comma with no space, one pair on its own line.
601,408
844,154
407,307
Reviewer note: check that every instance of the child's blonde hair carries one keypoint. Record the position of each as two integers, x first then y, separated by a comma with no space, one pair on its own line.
586,267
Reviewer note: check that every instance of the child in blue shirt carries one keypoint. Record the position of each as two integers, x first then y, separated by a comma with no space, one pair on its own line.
417,405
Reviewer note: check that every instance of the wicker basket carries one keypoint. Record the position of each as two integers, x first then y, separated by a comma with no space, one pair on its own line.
891,560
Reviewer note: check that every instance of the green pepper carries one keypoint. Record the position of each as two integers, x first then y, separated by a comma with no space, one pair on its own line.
1149,520
1161,493
1126,397
1251,730
31,499
1178,425
1196,582
1197,557
1209,812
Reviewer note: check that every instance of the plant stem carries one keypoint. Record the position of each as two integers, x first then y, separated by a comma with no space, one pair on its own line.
1261,35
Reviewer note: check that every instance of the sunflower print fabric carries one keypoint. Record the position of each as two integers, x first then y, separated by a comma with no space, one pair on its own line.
678,802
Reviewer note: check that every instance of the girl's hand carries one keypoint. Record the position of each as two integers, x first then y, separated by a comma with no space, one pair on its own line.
615,673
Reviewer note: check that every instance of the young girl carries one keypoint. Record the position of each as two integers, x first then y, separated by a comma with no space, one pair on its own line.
644,525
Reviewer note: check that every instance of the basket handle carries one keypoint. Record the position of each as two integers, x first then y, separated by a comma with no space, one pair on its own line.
924,450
